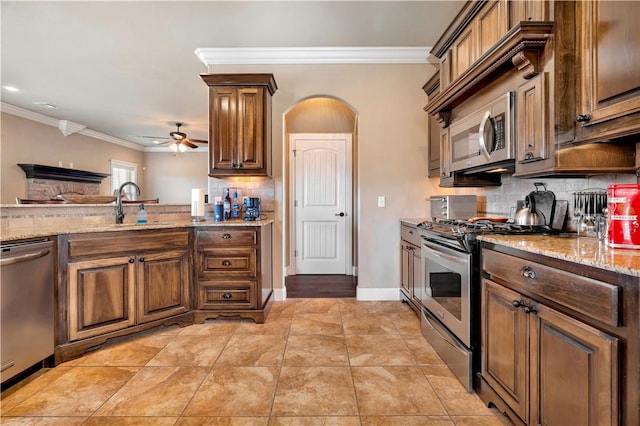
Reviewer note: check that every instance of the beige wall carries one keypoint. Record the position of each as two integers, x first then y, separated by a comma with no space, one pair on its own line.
170,176
26,141
392,154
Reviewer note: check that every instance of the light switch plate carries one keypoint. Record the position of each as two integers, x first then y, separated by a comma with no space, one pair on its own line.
381,201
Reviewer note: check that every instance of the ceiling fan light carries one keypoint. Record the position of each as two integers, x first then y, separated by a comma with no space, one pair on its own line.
174,147
182,147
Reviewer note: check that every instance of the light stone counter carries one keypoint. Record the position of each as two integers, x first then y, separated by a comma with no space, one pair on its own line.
39,231
585,251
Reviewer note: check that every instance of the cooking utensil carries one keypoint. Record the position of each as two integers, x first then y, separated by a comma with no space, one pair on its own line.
488,219
560,215
528,215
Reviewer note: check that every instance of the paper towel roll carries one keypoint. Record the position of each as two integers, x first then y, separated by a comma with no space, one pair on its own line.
197,202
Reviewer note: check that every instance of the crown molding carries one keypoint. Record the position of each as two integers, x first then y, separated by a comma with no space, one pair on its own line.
64,124
312,55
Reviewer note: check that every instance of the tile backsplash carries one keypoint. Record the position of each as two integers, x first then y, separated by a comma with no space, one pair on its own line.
499,200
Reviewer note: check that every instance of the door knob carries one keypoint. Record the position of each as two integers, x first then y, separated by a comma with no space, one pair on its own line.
341,214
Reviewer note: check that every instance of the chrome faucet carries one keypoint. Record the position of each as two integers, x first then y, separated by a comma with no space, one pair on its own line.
119,212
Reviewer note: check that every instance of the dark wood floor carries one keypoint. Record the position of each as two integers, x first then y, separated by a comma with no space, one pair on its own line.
310,286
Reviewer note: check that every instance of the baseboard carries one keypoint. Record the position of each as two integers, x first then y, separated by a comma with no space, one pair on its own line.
372,294
280,294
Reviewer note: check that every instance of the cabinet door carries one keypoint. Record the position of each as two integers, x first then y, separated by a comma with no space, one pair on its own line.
463,52
416,276
223,128
250,128
574,372
405,261
101,296
610,62
434,147
505,346
445,158
163,285
527,10
532,120
491,25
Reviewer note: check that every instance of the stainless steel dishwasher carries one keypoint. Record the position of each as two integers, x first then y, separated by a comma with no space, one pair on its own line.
27,305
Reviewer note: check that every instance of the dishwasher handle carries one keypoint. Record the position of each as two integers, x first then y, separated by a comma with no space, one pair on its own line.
23,258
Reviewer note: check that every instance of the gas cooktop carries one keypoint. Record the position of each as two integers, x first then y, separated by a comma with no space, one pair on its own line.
462,233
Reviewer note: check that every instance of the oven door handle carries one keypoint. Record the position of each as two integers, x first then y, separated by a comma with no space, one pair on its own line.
437,328
442,252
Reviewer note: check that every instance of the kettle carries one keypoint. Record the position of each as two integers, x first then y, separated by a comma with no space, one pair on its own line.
528,214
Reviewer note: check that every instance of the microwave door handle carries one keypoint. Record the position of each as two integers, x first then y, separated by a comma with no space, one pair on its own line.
486,136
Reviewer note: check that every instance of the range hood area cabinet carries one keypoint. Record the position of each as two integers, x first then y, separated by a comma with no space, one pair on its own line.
571,120
240,124
583,120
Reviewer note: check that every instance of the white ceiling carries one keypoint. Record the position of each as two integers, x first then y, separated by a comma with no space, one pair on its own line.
129,68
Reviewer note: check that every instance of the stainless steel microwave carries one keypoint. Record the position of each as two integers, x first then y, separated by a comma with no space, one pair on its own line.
484,137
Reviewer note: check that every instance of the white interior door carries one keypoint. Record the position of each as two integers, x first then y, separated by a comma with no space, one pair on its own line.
322,203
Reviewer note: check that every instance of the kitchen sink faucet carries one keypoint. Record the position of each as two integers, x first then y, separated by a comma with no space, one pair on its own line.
119,212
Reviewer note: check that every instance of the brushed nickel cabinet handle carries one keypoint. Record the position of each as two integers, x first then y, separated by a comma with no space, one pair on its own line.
226,236
227,296
226,263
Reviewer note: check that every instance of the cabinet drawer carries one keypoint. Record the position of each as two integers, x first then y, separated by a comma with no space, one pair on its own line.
126,242
228,262
228,296
596,299
228,237
410,235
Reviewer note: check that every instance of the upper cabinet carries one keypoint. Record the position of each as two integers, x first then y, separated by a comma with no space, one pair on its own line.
573,65
609,99
240,124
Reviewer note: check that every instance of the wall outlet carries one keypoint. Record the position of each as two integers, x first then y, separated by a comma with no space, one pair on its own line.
381,201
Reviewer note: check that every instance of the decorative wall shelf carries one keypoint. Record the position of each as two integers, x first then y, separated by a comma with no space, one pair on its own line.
39,171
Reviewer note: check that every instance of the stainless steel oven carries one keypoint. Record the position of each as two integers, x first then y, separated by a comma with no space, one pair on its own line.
446,320
450,264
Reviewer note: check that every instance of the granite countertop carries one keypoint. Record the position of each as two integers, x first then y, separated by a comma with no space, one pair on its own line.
583,250
75,228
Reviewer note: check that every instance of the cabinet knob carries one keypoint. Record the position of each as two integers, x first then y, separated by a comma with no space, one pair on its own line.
517,303
227,296
528,273
131,260
141,259
530,309
226,236
226,263
583,118
240,165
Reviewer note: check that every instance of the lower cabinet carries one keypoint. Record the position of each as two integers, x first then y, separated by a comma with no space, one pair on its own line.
560,364
112,284
233,270
549,368
411,267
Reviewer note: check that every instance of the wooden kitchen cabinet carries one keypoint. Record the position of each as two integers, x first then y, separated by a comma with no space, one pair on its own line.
531,128
240,124
609,96
113,284
234,276
411,266
431,88
553,344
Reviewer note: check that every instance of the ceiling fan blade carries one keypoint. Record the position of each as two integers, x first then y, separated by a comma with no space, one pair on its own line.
196,140
188,143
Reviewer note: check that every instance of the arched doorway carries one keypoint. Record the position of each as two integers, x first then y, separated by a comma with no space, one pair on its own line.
320,152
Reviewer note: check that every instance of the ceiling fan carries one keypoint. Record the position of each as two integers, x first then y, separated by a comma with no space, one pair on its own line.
178,140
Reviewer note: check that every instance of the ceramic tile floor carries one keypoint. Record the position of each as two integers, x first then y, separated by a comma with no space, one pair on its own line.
314,362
